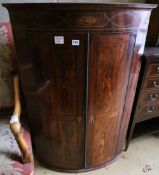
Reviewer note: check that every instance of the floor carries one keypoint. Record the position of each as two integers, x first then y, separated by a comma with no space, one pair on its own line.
142,158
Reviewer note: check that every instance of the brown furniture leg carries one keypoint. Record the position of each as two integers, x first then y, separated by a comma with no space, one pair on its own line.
15,125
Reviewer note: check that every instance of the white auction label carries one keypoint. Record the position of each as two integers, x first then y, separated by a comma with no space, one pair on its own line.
75,42
59,39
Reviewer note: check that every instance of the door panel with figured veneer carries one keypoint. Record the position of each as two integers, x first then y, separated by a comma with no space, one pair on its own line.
109,67
59,98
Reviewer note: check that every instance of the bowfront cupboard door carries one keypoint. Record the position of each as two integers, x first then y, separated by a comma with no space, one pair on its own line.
75,96
55,97
108,75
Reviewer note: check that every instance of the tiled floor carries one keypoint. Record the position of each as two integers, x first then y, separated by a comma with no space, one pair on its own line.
142,158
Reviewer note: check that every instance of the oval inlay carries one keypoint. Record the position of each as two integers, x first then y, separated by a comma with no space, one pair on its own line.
87,20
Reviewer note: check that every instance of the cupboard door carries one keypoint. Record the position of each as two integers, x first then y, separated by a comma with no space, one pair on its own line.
53,83
108,74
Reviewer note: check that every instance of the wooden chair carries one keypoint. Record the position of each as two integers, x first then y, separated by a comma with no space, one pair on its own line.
15,124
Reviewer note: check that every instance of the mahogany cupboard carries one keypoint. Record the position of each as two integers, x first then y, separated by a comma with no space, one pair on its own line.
79,65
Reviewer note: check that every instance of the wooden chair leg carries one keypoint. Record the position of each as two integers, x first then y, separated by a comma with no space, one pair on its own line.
15,125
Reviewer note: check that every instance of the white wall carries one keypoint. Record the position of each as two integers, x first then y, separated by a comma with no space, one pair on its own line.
4,17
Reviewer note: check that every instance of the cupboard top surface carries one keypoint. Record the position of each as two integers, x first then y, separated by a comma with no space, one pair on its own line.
101,4
85,16
152,52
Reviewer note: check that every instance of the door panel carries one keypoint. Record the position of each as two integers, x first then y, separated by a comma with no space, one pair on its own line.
109,67
55,98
